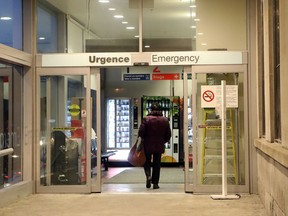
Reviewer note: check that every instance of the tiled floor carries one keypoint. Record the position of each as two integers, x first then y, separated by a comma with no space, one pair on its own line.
133,199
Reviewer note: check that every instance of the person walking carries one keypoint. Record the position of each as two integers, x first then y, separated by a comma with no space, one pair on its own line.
155,131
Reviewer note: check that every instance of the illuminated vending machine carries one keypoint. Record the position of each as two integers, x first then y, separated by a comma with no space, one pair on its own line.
119,118
170,107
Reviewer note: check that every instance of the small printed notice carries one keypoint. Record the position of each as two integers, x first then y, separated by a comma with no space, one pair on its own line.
211,96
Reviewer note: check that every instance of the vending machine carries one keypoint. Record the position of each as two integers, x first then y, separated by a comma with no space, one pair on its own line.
170,107
119,118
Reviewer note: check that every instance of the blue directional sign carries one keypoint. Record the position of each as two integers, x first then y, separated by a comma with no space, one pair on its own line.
136,77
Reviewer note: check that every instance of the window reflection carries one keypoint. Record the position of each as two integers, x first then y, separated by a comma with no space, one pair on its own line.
11,23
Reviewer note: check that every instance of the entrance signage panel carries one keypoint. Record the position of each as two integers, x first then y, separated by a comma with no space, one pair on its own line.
196,58
86,59
156,59
135,77
211,96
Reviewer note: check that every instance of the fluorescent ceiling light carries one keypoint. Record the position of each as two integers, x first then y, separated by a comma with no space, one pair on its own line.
200,33
196,19
136,36
118,16
124,22
193,14
103,1
130,27
193,6
41,38
5,18
193,27
147,46
111,9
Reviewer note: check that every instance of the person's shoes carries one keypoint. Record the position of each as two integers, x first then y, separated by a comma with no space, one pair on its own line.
156,186
148,182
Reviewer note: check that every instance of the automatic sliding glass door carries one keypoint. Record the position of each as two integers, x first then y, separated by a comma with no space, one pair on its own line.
64,150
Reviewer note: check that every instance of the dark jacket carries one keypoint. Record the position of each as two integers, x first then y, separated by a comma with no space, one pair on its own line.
155,130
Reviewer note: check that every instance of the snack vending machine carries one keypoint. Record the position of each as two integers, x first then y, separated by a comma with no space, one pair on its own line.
170,107
119,118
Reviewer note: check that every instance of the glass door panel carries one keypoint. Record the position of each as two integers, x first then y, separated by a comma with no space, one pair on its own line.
207,120
96,148
10,125
64,135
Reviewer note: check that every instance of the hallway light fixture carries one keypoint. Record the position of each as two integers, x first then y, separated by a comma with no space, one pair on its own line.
103,1
5,18
118,16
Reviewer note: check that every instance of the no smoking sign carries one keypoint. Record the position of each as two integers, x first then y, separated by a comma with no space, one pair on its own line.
208,96
211,96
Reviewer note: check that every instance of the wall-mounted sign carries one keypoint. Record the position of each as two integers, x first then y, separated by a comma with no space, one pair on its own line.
196,58
74,110
156,59
135,77
167,76
86,59
211,96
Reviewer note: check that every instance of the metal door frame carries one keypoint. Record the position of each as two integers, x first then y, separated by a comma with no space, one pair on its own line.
195,187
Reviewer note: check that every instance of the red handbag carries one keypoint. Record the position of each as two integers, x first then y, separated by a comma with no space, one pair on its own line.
136,155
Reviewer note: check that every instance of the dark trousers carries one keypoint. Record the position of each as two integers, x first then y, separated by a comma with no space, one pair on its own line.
155,167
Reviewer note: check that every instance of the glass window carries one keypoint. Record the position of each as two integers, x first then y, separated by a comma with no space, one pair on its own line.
93,26
113,26
11,23
194,25
46,30
11,101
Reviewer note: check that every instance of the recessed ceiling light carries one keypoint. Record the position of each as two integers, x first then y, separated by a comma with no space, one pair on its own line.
193,14
118,16
193,6
147,46
5,18
111,9
41,38
130,27
103,1
124,22
136,36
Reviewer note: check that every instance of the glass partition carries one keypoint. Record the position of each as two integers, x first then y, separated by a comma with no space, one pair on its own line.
209,137
117,25
169,25
192,25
